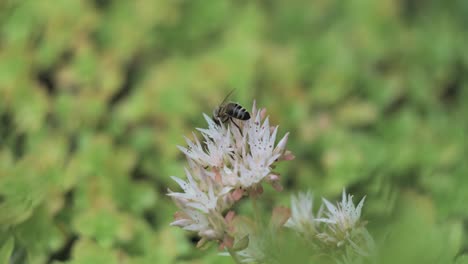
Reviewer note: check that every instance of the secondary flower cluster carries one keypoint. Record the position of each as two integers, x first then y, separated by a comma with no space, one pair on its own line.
335,226
232,161
335,231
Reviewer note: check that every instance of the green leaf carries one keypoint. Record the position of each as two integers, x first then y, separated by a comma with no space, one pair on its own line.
6,250
85,252
463,259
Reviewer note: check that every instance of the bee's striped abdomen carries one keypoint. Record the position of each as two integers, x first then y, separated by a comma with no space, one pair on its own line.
237,111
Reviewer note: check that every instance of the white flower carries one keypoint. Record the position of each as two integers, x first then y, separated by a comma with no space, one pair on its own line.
231,159
302,217
344,216
344,227
341,226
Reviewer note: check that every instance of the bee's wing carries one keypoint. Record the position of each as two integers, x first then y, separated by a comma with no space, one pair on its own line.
227,96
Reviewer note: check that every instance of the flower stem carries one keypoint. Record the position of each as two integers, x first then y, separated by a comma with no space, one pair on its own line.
255,210
234,256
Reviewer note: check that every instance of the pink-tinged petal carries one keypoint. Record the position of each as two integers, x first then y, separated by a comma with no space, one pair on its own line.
256,191
237,194
228,242
288,155
263,113
277,186
273,177
180,215
279,216
230,217
217,177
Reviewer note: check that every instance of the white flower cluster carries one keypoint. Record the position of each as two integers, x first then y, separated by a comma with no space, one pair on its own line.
336,226
230,162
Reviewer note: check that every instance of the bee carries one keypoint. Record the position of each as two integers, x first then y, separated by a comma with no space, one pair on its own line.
228,111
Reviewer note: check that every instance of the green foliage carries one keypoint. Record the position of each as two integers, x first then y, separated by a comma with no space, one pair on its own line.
95,96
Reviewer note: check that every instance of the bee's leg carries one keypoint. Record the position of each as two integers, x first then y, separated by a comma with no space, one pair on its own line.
234,122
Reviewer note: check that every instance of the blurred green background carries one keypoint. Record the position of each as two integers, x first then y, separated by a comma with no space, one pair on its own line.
95,96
